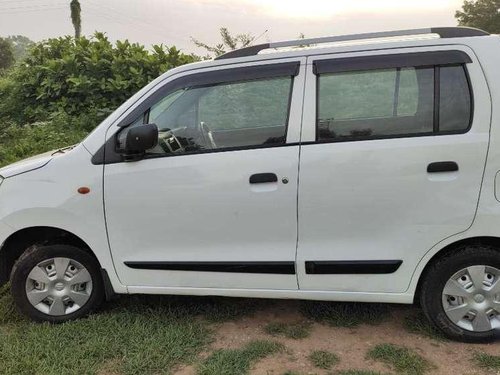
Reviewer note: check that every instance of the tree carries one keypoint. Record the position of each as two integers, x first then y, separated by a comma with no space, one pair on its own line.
483,14
229,42
20,45
76,17
6,54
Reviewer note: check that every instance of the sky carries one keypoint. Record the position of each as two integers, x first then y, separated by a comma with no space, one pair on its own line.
174,22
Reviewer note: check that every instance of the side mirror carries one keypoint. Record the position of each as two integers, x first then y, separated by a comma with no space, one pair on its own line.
136,140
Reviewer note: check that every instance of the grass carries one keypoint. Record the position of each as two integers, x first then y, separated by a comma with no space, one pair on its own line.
157,334
401,359
237,361
8,313
299,330
487,361
212,309
132,335
134,340
324,360
357,372
417,323
340,314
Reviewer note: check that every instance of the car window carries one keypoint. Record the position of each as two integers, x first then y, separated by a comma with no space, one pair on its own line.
244,105
157,110
221,116
382,102
455,99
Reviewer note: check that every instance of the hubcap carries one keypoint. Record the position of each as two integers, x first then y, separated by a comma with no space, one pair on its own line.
479,298
471,298
58,286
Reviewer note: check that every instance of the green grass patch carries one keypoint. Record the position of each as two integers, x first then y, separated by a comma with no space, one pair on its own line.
8,312
237,361
487,361
131,335
212,309
419,324
299,330
324,360
137,342
401,359
357,372
340,314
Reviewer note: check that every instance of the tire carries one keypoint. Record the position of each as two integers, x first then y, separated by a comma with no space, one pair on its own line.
56,286
455,266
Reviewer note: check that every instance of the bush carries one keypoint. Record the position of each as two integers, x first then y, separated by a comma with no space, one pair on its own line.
72,75
64,87
18,142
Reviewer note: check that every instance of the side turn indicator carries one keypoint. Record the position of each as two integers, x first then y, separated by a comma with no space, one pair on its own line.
83,190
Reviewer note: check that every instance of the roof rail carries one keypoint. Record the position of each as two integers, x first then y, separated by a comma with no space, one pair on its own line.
443,32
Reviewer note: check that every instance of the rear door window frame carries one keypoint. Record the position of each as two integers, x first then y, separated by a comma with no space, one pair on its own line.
428,59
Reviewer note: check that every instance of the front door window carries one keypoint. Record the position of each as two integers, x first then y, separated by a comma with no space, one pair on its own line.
222,116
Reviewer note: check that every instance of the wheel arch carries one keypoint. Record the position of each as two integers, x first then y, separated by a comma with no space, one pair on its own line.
22,239
446,250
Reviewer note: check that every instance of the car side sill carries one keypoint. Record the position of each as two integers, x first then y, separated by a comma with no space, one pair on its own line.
318,295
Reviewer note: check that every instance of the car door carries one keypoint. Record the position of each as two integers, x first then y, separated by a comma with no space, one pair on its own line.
393,155
213,205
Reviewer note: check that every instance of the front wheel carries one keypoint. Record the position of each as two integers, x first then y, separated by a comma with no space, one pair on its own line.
56,283
461,294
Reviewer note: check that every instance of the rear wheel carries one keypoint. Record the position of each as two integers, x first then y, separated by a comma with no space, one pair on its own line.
461,294
56,283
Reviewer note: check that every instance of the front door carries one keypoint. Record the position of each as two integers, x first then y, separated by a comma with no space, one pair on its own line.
214,204
395,165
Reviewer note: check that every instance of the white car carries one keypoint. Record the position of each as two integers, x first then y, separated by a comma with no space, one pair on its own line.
354,168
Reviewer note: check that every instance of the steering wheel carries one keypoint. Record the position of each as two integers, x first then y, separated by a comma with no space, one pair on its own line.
207,135
169,142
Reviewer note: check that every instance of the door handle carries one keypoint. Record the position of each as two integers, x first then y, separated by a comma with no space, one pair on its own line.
442,166
262,178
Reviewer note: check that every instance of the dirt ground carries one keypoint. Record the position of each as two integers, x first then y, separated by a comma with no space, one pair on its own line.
350,344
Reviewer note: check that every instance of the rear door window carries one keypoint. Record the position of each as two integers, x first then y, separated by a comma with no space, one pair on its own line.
376,103
395,102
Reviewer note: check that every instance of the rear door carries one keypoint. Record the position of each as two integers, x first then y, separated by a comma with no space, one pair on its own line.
394,149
